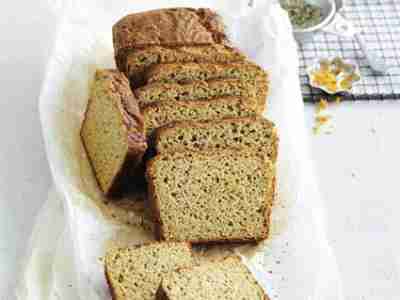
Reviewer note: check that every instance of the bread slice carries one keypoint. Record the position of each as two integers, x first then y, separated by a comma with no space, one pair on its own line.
175,72
228,279
166,27
112,131
138,61
211,196
181,73
159,114
250,132
136,272
197,90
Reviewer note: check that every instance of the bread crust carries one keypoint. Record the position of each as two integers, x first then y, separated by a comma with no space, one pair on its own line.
110,286
161,295
155,208
117,86
153,201
166,27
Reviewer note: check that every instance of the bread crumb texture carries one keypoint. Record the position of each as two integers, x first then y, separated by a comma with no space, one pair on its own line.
212,195
136,272
228,279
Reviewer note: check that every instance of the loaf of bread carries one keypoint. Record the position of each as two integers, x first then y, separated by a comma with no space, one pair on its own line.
250,132
159,114
228,279
198,90
211,196
112,131
136,272
165,30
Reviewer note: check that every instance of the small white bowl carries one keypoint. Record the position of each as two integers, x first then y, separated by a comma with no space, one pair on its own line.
328,10
317,65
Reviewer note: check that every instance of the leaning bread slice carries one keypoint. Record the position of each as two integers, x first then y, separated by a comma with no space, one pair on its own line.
159,114
250,132
197,91
136,272
211,196
112,131
228,279
175,72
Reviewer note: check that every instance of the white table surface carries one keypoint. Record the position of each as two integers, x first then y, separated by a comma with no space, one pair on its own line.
358,166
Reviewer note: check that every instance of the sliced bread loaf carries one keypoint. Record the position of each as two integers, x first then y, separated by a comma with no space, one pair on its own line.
197,90
112,131
211,196
166,27
136,272
159,114
251,132
228,279
175,72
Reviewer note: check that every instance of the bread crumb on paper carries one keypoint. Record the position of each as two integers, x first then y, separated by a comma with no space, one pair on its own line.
322,120
321,105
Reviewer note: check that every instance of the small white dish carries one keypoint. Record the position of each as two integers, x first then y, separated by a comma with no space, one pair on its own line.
341,71
328,11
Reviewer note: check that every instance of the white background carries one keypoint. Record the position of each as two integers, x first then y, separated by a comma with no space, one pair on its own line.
358,166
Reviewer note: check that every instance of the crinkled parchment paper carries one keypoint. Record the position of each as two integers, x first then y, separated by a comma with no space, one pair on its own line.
296,262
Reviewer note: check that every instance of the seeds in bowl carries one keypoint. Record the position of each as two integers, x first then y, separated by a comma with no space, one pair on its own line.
302,14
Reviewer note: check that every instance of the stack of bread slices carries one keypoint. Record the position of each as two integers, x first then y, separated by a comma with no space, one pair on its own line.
188,106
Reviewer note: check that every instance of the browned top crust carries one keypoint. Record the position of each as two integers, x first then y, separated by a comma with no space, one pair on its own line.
167,27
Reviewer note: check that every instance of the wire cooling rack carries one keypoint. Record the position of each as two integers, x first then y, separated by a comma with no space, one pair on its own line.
379,20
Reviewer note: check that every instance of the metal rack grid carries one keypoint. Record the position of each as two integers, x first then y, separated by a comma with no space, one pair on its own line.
379,20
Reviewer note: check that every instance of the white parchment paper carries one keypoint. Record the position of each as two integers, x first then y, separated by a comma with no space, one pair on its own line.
296,262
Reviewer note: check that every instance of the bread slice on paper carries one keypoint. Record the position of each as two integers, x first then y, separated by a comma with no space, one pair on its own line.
112,131
136,272
228,279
